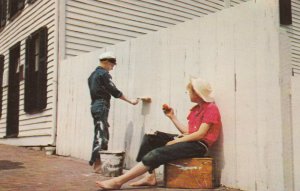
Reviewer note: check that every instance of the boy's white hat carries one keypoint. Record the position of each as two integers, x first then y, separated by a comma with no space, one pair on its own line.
107,55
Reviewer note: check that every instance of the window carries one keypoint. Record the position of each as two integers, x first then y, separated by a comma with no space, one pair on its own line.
15,7
36,71
1,81
3,11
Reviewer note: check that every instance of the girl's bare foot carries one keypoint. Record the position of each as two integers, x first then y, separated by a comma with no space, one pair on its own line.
146,181
111,184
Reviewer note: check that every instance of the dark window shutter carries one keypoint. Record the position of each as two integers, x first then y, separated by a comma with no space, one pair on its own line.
11,8
42,73
13,94
1,81
36,77
285,12
3,11
29,76
14,7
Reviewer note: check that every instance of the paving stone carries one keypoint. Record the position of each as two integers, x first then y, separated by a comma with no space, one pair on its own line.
23,169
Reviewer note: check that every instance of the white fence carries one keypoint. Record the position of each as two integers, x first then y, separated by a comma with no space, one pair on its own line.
237,50
296,130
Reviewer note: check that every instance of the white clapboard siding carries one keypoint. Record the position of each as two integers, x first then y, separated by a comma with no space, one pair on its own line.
35,127
34,20
294,33
72,35
190,6
33,117
152,9
295,69
74,52
236,2
108,20
49,101
109,7
95,24
37,132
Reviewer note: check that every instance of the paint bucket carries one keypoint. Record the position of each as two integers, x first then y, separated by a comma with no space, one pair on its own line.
112,163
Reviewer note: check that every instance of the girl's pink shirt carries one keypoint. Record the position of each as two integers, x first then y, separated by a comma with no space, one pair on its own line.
206,113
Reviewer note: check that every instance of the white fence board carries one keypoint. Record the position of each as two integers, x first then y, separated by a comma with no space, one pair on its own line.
296,131
245,70
225,82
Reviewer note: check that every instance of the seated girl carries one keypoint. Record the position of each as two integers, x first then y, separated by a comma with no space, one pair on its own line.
202,131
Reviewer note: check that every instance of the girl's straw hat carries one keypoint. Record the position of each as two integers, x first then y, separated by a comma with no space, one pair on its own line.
203,89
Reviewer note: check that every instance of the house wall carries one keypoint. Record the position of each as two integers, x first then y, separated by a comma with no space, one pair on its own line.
236,49
94,24
34,129
294,34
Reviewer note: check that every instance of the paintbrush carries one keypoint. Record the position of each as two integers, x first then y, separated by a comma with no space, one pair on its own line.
145,99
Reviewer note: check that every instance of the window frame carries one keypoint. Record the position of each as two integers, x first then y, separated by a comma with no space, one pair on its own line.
35,98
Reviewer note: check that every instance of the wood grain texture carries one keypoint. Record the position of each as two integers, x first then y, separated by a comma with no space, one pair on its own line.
189,173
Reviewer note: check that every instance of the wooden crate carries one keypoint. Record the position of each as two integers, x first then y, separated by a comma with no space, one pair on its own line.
189,173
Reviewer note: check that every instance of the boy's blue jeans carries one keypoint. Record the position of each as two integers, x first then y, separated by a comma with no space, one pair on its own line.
99,110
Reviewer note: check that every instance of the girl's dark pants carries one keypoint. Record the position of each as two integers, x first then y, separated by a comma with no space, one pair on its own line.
154,153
